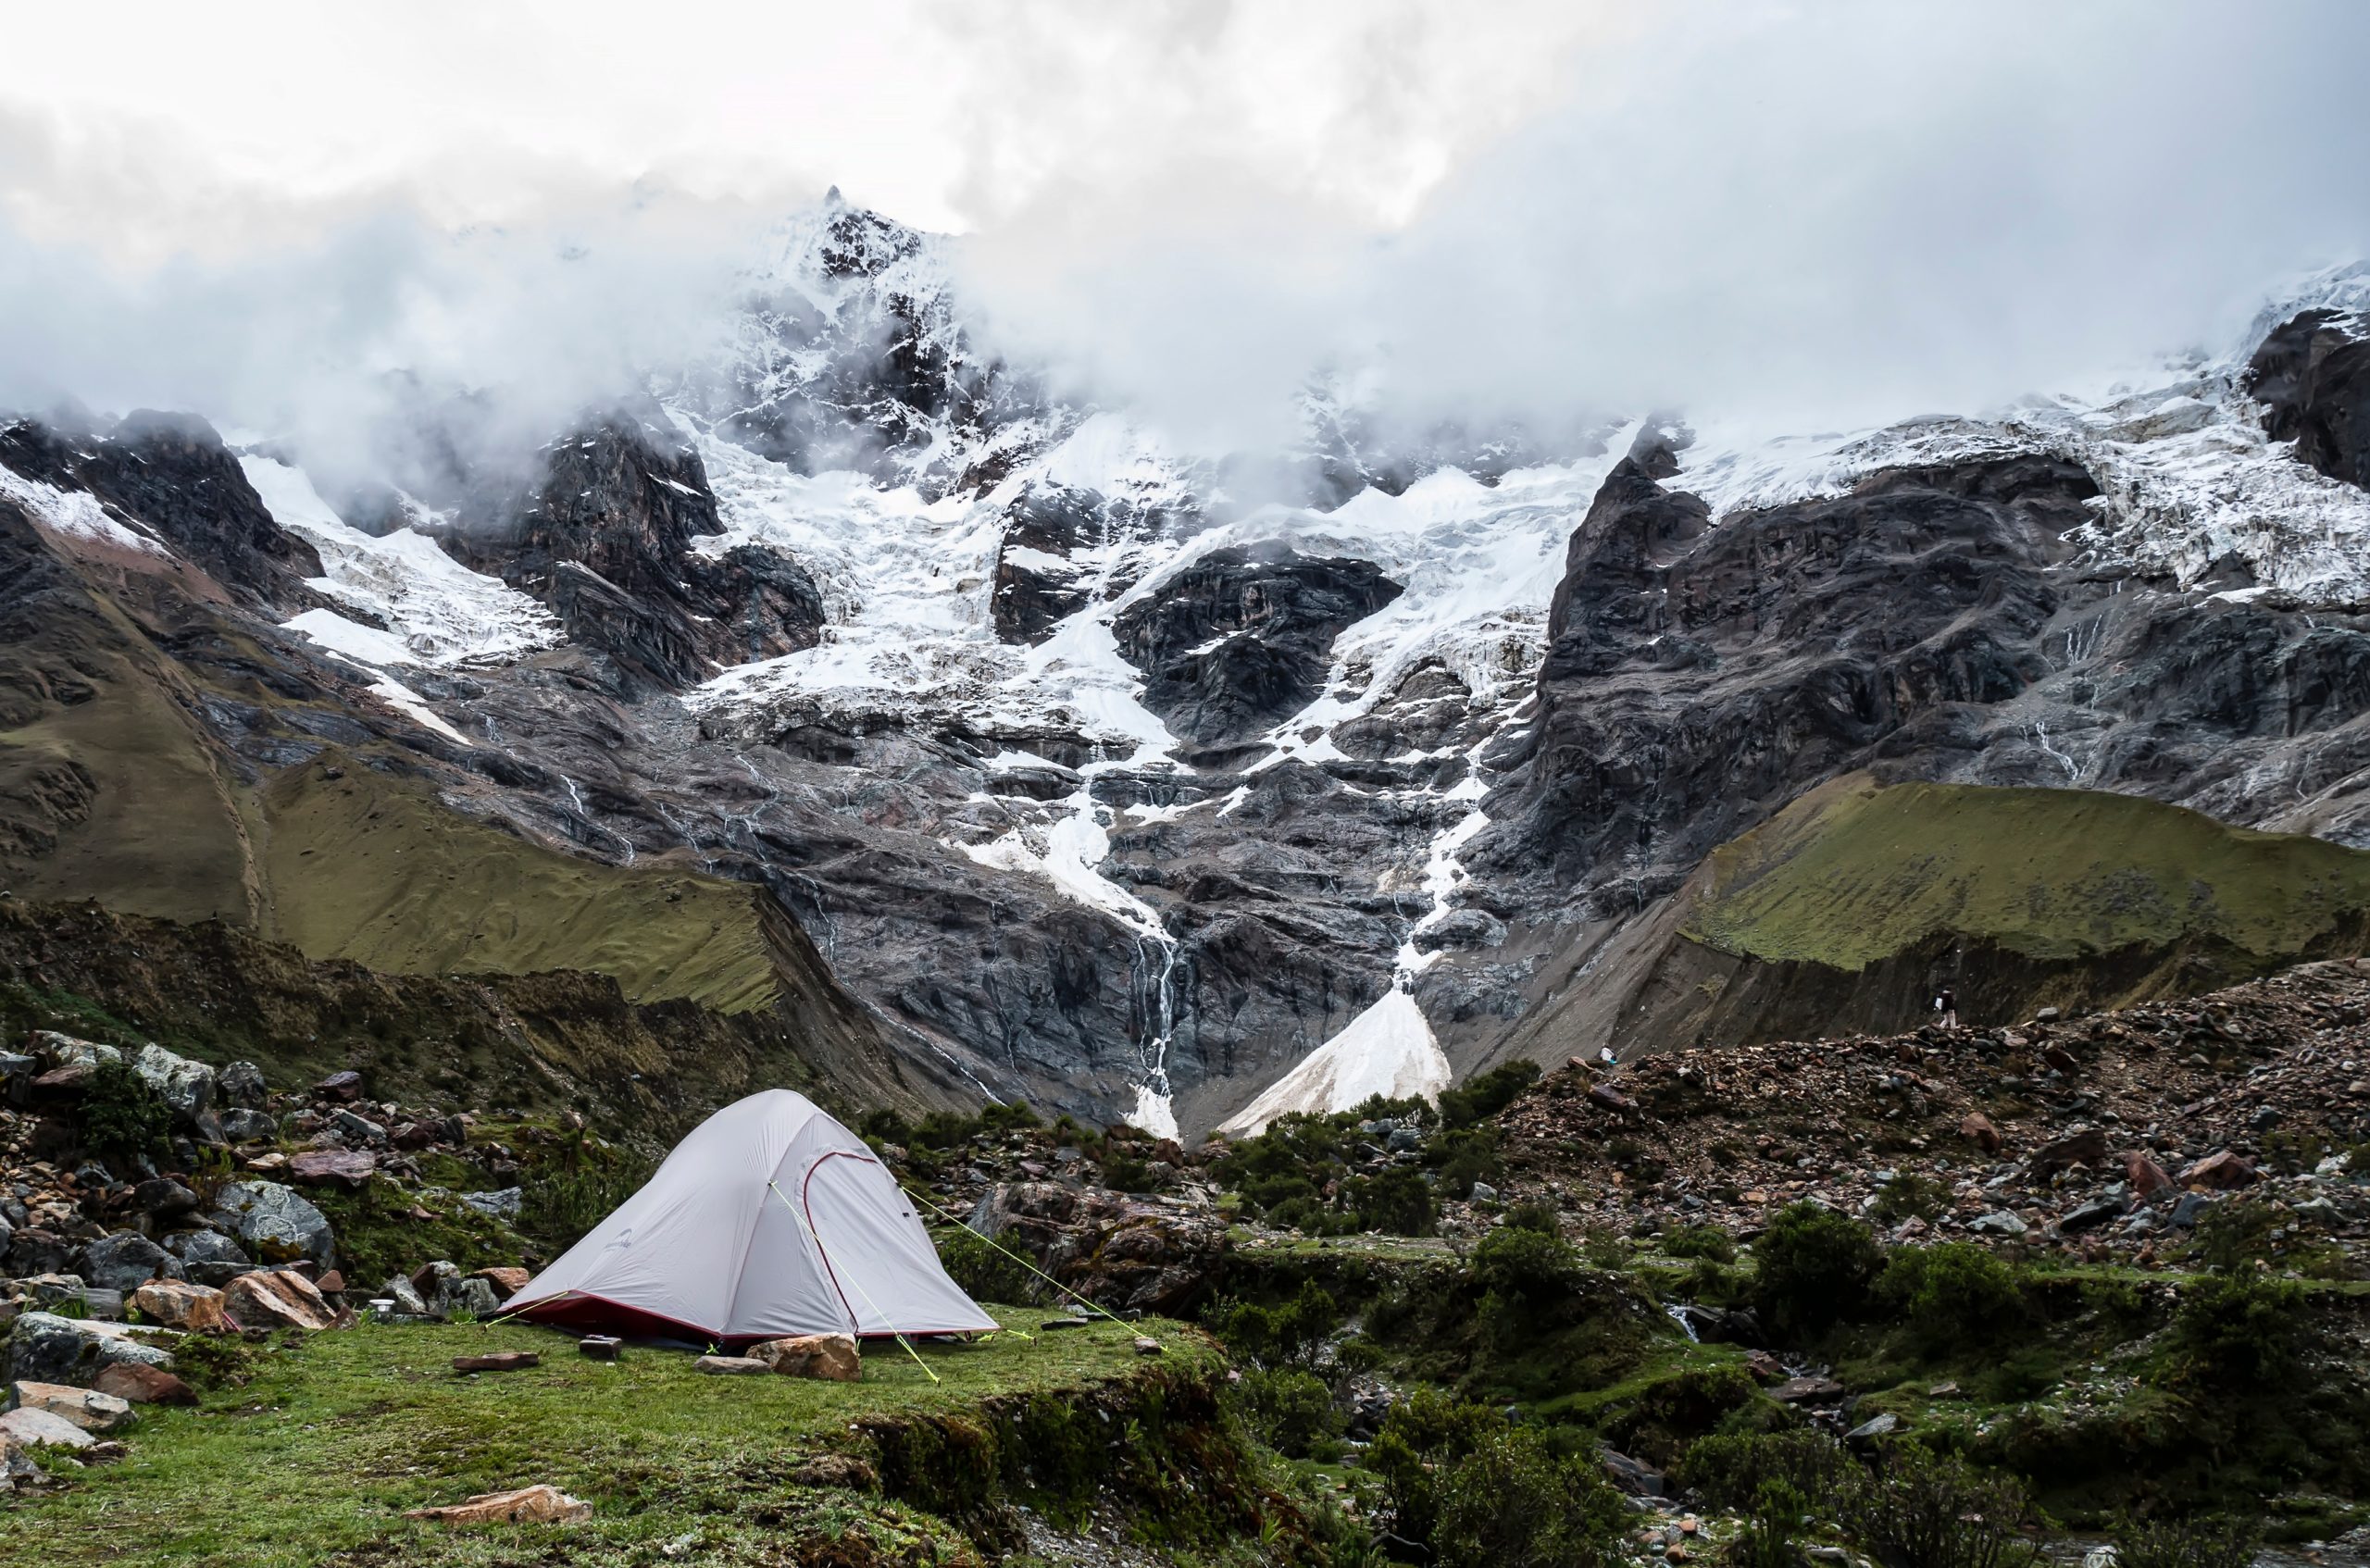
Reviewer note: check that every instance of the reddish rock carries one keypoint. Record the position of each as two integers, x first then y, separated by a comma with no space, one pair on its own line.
2219,1171
1611,1097
2146,1176
2083,1146
331,1284
343,1087
143,1384
279,1299
501,1361
529,1505
1764,1367
176,1304
1977,1129
830,1356
349,1168
1807,1390
506,1282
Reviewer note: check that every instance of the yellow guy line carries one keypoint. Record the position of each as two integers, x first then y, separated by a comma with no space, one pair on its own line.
858,1283
1016,1258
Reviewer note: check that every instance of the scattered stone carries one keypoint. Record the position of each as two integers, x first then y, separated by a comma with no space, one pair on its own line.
345,1088
1869,1431
1634,1476
830,1356
165,1198
177,1303
87,1408
1612,1099
243,1126
240,1084
125,1260
2089,1216
529,1505
499,1360
1943,1391
506,1282
1052,1323
208,1257
40,1428
2146,1176
1976,1128
731,1366
2000,1222
2220,1171
186,1086
1807,1390
349,1168
275,1222
2083,1146
404,1298
143,1384
278,1299
598,1347
1147,1346
503,1206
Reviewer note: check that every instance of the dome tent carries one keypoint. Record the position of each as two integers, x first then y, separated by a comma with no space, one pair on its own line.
770,1219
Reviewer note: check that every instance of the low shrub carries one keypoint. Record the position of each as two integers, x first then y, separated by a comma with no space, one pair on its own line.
1700,1242
122,1114
1952,1293
1919,1510
1732,1471
2243,1332
1486,1096
1813,1267
1289,1409
2199,1541
1477,1491
985,1271
1290,1334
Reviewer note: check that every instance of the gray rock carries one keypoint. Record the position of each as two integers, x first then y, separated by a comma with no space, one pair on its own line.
277,1224
2089,1216
164,1197
2189,1211
34,1251
240,1084
1484,1193
209,1256
1869,1431
401,1291
126,1261
17,1075
1997,1222
243,1126
1404,1140
44,1348
357,1128
187,1086
65,1050
503,1206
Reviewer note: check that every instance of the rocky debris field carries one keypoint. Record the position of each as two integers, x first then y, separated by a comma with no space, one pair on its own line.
2103,1136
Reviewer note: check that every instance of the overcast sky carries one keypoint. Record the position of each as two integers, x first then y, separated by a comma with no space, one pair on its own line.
1830,210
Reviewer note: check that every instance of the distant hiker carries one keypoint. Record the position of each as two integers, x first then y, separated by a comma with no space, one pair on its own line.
1946,1006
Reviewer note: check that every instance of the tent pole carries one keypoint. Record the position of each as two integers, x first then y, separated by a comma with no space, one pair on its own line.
860,1291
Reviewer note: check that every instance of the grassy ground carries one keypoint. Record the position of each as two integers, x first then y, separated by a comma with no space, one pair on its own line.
374,869
316,1458
1852,873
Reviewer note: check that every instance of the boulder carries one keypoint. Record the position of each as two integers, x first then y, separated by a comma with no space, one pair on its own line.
1634,1476
830,1356
193,1309
506,1282
449,1293
65,1050
164,1198
1976,1128
87,1408
277,1224
143,1384
1611,1097
240,1084
35,1251
2219,1172
2146,1176
17,1075
278,1299
187,1086
349,1168
2000,1222
343,1087
2083,1146
731,1366
405,1297
529,1505
44,1348
503,1206
357,1128
243,1126
2089,1216
40,1428
127,1259
208,1257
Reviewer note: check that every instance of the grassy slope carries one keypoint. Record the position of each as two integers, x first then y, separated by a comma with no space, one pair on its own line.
375,869
1854,873
323,1451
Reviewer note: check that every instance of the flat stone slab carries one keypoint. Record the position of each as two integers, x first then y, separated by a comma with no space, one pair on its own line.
501,1361
733,1366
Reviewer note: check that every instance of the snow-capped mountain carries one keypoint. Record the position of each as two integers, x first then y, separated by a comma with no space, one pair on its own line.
1100,789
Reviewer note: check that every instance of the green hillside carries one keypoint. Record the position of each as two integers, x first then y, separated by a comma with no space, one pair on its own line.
1854,873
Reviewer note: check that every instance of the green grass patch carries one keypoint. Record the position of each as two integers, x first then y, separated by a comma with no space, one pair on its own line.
1852,873
323,1448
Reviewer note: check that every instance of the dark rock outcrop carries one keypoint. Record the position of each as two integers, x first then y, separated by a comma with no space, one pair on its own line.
1244,637
2313,376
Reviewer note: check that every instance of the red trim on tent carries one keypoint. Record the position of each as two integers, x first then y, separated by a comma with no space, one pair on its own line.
581,1311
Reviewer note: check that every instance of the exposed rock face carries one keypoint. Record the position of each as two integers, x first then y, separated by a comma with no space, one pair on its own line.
46,1347
606,539
1243,637
2313,376
276,1223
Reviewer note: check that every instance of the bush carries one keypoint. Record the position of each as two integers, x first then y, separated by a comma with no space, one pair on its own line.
1952,1293
558,1206
1289,1409
1700,1242
2242,1332
1535,1216
1814,1266
1732,1471
2199,1541
1771,1526
983,1271
1918,1510
1464,1156
1286,1335
2235,1233
1486,1095
1478,1492
123,1116
1396,1203
1911,1197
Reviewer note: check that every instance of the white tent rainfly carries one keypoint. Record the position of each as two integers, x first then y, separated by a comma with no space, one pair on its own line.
771,1219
